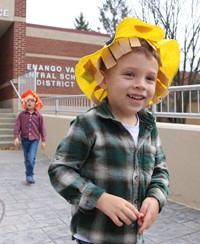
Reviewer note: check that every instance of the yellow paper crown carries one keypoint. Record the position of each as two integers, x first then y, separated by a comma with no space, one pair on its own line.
87,71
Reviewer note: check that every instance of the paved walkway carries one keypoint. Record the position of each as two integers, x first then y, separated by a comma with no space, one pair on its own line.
36,214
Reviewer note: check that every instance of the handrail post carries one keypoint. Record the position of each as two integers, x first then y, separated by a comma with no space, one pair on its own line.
91,104
11,83
56,106
154,106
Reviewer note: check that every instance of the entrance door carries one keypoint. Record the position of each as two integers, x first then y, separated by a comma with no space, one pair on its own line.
26,81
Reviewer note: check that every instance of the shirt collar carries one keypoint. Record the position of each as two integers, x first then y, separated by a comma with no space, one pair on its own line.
104,112
34,112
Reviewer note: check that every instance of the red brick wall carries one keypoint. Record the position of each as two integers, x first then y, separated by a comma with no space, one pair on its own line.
19,39
20,8
58,47
54,82
61,81
19,46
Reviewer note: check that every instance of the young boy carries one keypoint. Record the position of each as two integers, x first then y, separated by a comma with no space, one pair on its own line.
111,166
30,126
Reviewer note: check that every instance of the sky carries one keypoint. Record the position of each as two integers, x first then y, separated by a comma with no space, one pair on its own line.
62,13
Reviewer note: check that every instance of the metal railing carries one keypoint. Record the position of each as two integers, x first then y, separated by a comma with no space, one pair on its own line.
181,102
172,106
66,104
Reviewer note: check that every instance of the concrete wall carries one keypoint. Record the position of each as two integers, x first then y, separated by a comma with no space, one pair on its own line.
7,10
56,127
181,144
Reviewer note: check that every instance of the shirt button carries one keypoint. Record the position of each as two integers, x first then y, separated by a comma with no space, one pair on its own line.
133,225
136,201
136,178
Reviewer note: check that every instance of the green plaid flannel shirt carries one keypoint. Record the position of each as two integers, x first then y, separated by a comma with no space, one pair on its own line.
98,155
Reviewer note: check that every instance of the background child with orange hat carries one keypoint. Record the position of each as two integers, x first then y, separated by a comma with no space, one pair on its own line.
111,166
30,127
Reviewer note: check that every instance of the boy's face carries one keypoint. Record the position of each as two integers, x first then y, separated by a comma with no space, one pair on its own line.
130,85
30,103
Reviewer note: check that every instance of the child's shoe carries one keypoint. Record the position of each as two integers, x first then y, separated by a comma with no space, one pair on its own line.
30,179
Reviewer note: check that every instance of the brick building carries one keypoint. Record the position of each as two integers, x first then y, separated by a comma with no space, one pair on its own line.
52,52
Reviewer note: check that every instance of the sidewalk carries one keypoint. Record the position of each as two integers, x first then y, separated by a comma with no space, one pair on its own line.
36,214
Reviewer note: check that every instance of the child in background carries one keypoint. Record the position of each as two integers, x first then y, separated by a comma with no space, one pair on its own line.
29,127
111,166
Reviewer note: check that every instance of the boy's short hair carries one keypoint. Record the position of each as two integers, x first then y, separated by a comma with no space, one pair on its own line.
148,49
144,48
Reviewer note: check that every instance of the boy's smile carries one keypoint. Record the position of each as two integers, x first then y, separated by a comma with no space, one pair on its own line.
130,85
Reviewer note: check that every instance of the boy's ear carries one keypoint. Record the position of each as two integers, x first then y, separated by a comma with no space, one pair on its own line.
103,83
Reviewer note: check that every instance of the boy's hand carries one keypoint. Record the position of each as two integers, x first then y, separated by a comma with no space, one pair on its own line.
43,144
118,209
149,211
16,142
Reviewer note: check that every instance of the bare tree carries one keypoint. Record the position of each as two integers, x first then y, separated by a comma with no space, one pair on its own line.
181,21
111,13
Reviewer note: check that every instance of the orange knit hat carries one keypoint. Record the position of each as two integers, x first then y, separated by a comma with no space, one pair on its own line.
30,93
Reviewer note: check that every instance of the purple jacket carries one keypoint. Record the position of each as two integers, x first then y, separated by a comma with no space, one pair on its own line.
30,126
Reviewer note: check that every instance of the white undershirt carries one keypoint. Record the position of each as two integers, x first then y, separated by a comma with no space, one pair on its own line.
134,131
